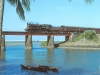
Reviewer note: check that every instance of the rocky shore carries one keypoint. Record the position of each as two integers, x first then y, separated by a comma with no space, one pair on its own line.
80,47
80,44
77,45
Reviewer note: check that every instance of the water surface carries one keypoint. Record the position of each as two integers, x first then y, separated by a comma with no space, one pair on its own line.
70,62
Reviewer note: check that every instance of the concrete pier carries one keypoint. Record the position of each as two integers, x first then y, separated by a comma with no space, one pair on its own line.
66,38
73,36
28,56
3,42
2,55
50,42
28,42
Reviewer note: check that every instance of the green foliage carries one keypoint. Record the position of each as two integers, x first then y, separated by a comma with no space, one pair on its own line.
89,1
86,1
99,45
89,35
79,37
44,43
21,6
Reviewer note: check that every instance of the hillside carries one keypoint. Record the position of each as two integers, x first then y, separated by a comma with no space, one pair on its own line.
88,38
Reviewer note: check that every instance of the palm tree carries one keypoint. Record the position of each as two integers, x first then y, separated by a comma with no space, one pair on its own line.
20,6
86,1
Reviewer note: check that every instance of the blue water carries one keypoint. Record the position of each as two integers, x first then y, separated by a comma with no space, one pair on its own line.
70,62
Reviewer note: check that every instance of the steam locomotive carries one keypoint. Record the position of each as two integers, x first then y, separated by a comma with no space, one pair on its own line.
62,29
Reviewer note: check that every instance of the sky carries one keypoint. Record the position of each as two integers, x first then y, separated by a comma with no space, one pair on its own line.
54,12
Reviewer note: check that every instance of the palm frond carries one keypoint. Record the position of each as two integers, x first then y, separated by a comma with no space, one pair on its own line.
20,10
13,2
26,4
69,0
88,1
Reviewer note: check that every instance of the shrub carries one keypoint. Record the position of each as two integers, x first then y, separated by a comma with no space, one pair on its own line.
89,35
44,43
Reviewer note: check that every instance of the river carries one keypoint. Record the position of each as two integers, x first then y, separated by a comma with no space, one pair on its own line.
69,61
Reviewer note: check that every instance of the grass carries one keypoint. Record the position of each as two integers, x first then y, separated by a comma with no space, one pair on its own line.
89,35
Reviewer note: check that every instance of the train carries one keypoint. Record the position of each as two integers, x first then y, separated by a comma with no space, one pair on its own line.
62,29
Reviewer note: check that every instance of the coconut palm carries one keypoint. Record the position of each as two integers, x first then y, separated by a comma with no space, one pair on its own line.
20,6
86,1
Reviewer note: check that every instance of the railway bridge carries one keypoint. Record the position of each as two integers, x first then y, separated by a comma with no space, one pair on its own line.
46,30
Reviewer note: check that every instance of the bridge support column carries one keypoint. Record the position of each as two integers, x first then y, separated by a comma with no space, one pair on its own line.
50,42
66,38
73,36
3,43
28,41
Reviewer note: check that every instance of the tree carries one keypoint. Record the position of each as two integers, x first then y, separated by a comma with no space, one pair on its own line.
20,6
88,1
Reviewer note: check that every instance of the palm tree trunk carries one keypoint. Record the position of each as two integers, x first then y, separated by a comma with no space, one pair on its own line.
1,19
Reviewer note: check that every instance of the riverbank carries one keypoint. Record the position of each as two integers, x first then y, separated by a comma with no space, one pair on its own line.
67,47
88,48
80,45
77,45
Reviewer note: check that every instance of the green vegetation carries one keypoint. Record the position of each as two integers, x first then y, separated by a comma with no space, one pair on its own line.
20,5
89,35
44,43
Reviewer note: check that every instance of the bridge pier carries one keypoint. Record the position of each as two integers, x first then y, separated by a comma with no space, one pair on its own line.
3,42
50,41
66,38
73,36
28,42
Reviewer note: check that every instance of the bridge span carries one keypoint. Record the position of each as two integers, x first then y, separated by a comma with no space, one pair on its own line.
28,37
47,30
34,33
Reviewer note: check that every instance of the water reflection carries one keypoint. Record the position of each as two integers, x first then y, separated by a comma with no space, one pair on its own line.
50,55
78,57
2,54
68,51
69,55
28,56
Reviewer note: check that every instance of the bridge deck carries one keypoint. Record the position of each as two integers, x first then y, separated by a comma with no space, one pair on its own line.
33,33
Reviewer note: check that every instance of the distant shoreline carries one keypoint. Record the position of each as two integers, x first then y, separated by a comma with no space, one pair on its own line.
92,48
14,44
67,47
